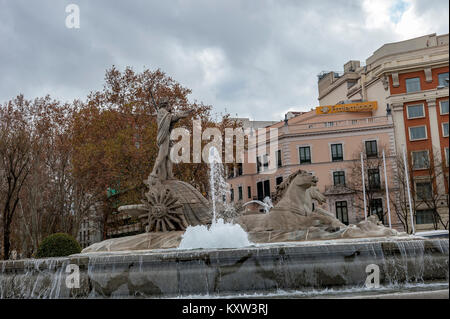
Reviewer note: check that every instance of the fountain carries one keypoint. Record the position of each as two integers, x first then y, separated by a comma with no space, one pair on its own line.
266,204
219,234
188,251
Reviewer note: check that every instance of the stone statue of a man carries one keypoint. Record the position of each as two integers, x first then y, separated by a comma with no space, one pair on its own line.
162,170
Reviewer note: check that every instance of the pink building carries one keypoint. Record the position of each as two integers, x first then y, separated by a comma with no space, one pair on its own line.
327,142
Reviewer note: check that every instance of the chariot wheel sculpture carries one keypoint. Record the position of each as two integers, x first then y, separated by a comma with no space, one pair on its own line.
163,211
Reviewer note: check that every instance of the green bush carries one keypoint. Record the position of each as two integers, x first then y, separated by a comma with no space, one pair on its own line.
58,245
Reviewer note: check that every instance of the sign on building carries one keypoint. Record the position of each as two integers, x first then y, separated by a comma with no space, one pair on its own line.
352,107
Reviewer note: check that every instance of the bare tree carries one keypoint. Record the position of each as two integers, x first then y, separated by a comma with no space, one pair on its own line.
426,170
15,164
433,195
373,182
399,195
36,173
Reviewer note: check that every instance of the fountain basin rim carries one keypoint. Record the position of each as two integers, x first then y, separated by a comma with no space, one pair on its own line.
255,247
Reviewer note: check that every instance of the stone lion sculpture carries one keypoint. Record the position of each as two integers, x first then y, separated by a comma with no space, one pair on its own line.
293,211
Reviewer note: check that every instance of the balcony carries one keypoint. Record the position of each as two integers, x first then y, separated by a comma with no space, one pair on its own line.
337,190
339,125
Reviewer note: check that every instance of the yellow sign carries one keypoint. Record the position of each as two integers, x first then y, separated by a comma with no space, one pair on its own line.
352,107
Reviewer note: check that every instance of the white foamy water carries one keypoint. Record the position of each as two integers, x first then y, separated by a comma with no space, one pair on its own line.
218,235
336,293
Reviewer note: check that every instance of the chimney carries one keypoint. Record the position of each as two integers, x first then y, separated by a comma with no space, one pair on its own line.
351,66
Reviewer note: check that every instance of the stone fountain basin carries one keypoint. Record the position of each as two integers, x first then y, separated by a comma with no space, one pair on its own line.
261,268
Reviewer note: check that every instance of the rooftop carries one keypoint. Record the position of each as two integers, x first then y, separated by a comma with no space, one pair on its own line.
423,42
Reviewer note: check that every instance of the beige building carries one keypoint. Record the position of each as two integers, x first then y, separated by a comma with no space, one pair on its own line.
327,145
410,80
246,123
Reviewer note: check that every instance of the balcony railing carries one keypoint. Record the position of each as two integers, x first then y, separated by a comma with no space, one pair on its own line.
337,190
343,123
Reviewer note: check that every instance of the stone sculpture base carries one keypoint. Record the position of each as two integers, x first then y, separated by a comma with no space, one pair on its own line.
172,239
185,199
145,241
258,235
299,266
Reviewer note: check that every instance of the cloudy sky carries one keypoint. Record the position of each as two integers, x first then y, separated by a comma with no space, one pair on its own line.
254,58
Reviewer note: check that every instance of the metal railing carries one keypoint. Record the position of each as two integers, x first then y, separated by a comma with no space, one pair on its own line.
343,123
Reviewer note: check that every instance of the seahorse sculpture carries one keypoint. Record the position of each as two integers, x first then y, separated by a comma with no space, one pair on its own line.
294,211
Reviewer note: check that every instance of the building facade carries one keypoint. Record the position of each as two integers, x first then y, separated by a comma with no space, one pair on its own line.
410,80
328,145
90,230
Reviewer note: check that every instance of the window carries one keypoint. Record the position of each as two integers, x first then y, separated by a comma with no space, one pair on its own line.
266,188
229,172
417,133
412,85
445,129
424,216
279,162
447,158
263,189
329,124
444,107
279,180
376,207
415,111
232,195
336,152
249,192
305,155
420,159
342,212
424,190
339,178
374,178
239,169
262,163
240,192
371,149
443,79
260,190
265,162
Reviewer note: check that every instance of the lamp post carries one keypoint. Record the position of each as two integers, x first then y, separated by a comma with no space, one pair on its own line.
409,191
387,191
364,187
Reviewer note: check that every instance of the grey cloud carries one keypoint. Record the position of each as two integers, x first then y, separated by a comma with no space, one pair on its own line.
268,52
